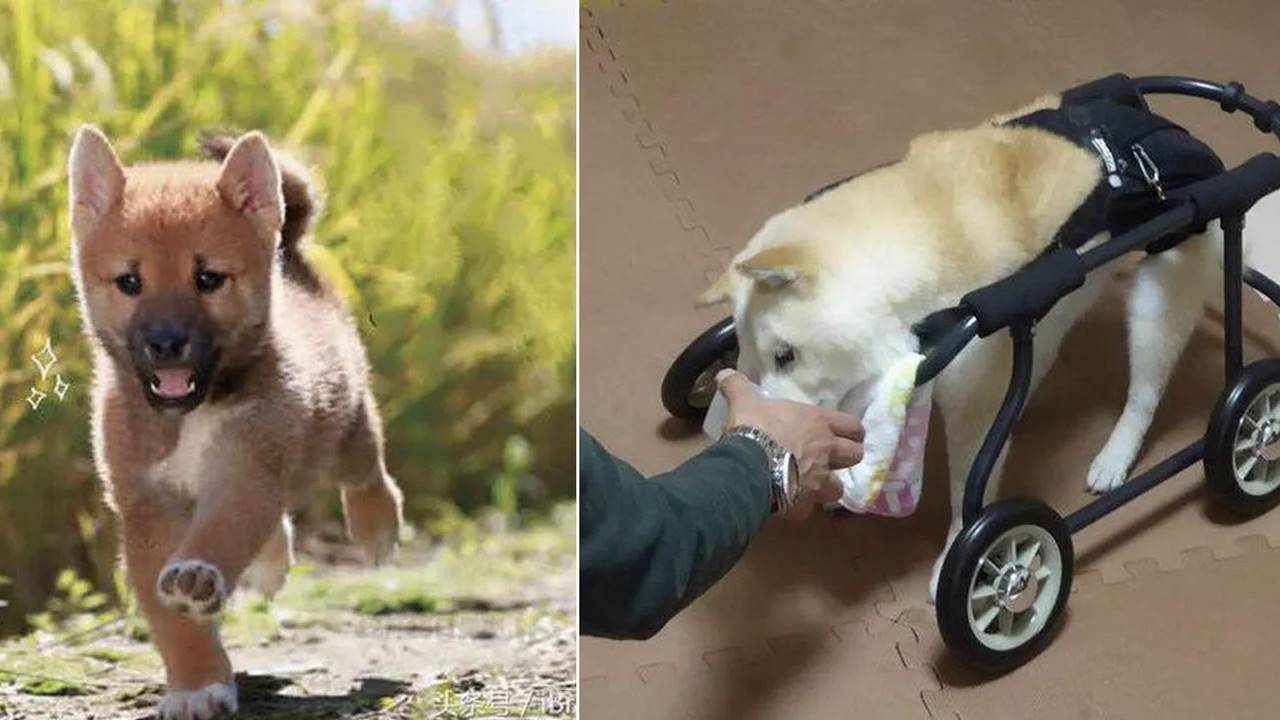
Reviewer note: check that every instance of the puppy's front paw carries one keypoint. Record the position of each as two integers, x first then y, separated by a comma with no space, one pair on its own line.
1107,472
211,701
194,588
374,518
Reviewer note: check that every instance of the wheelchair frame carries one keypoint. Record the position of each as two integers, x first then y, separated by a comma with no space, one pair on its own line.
1037,286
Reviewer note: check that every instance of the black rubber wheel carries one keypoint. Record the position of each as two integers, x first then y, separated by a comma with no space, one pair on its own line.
1004,584
690,382
1242,445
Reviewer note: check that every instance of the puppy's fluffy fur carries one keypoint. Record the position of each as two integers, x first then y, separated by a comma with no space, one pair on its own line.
841,279
227,379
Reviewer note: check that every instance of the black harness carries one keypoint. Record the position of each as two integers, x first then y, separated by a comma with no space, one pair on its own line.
1143,157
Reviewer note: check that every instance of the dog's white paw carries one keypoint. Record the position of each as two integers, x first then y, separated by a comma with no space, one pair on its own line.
194,588
1108,471
211,701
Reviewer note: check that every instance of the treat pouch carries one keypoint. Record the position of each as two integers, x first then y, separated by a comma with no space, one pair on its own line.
895,414
890,478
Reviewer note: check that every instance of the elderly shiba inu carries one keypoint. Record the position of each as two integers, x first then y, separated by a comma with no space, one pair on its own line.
826,293
227,379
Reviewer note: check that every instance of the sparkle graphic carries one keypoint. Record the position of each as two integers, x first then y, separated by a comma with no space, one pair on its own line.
45,359
60,387
34,398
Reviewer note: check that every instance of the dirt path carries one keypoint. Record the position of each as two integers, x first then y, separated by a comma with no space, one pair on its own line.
480,627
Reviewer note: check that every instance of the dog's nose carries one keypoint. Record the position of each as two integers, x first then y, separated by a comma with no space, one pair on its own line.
167,345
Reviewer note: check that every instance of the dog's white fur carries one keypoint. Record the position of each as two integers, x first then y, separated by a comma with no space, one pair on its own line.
842,278
210,701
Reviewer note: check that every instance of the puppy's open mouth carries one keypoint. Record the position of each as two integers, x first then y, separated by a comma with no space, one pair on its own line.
174,389
173,384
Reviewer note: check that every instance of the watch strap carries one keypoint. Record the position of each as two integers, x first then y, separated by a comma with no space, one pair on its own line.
781,490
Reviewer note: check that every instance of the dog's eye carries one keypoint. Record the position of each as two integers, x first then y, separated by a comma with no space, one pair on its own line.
129,283
208,281
784,356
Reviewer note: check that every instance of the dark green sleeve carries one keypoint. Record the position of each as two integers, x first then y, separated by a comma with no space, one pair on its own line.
651,547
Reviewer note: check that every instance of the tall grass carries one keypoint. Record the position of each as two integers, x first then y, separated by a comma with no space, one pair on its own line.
450,184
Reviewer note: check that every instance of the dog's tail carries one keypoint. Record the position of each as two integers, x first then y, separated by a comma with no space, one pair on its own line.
303,202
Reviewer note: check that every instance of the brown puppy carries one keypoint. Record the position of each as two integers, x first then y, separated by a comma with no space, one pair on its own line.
227,379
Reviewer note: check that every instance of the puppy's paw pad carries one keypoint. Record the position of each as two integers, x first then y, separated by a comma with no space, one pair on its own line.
211,701
1106,474
194,588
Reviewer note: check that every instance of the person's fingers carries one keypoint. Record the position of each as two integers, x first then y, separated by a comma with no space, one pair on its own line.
845,425
844,453
823,487
734,385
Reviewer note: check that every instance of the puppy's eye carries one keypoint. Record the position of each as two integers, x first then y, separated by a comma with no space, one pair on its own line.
208,281
784,356
129,283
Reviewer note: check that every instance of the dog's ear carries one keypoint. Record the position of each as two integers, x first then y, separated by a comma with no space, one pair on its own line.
720,291
95,177
250,183
778,267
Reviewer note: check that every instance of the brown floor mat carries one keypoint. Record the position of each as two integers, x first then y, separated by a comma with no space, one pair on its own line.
701,118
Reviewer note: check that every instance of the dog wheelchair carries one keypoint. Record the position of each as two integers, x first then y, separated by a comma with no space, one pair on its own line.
1006,578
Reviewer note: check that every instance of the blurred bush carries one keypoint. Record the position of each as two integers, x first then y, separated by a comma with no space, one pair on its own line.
449,225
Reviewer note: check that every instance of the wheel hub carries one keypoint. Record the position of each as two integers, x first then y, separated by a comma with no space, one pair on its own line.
1017,586
1266,440
1017,582
704,386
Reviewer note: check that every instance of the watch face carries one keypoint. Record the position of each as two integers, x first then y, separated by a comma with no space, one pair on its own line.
793,478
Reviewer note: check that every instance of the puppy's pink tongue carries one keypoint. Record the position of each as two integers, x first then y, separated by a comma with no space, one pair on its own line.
172,384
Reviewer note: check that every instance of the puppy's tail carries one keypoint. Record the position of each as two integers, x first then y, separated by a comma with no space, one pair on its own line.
303,201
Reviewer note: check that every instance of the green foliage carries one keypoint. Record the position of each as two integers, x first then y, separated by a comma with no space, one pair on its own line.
450,226
42,686
474,571
107,655
74,602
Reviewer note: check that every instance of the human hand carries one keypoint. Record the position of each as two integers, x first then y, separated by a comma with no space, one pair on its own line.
821,440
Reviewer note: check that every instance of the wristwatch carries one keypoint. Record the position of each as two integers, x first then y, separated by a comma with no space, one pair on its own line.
784,469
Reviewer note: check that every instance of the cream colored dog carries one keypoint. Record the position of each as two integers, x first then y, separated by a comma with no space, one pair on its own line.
826,292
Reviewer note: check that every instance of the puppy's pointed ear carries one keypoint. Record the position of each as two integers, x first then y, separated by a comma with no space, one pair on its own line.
778,267
720,291
250,183
96,180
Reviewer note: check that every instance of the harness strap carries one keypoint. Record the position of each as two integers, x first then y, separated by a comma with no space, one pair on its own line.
1143,156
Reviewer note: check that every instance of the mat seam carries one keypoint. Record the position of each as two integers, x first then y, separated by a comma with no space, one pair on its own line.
647,138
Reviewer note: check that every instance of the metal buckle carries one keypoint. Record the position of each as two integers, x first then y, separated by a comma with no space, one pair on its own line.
1150,171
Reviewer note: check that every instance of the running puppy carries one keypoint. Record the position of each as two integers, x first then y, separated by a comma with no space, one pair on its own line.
227,379
826,293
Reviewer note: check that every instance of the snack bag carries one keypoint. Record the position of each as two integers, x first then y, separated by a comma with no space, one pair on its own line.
895,413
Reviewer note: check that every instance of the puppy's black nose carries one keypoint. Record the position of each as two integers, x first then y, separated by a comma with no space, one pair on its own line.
167,345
